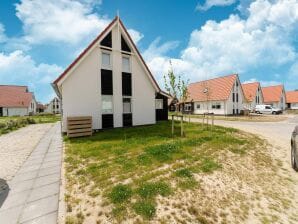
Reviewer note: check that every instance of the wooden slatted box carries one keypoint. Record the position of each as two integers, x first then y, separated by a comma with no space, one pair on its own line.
79,126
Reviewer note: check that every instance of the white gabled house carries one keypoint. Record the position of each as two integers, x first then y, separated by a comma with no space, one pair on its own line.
111,82
222,96
253,94
54,107
16,101
292,99
275,96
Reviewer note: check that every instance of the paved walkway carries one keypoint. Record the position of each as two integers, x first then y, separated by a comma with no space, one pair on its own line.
34,191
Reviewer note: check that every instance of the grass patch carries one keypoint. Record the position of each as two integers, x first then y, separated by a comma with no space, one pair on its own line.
150,159
145,209
8,124
120,193
150,190
208,165
186,173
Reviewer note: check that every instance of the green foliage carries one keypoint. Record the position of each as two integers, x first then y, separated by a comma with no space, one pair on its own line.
209,165
175,86
188,183
186,173
162,152
150,190
8,124
120,193
145,209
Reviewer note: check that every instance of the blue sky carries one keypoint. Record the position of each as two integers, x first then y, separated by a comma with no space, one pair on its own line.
203,39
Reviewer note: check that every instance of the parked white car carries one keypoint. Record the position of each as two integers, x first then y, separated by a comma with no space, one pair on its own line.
267,109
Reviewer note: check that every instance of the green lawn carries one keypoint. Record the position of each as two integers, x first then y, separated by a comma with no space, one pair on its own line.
8,124
124,174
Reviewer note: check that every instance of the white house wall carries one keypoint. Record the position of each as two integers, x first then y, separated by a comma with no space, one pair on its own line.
294,106
15,111
81,91
230,105
206,107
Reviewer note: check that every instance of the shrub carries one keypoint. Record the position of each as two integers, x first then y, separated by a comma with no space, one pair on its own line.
120,193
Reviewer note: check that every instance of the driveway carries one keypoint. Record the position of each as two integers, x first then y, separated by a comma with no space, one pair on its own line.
32,195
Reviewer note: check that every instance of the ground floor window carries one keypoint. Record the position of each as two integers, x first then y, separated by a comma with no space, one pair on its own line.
187,107
107,104
126,105
159,104
216,105
198,106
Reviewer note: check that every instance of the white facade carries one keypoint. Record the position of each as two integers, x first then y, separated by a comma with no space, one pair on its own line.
293,106
80,89
54,107
223,107
256,101
15,111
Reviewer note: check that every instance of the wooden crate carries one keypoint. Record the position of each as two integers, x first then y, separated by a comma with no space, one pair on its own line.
79,126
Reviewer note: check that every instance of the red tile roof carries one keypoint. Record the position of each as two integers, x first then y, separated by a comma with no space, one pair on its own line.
15,96
292,96
272,93
218,88
250,90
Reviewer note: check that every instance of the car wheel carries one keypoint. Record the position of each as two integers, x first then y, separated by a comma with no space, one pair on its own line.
274,112
293,160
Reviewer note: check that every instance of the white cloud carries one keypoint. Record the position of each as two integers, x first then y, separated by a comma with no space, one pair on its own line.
210,3
59,21
135,35
237,45
19,68
2,33
156,49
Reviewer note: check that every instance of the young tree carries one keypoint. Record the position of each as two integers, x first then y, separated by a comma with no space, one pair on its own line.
175,86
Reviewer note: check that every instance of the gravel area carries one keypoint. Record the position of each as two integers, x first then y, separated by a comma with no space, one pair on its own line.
16,146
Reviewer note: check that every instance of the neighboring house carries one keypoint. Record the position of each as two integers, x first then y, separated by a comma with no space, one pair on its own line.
292,99
40,108
172,103
253,94
16,101
275,96
54,107
223,96
111,82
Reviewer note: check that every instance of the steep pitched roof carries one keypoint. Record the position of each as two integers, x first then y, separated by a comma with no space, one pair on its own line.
272,93
250,90
96,40
218,88
15,96
292,96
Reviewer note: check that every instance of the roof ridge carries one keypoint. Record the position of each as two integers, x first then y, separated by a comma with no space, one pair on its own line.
235,74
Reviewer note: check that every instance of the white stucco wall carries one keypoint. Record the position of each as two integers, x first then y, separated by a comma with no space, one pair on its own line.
12,111
81,90
251,105
206,107
294,106
52,106
230,105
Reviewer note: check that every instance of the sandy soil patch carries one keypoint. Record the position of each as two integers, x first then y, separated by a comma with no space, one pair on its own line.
16,146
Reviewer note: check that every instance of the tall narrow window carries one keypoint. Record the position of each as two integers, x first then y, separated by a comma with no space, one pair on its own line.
159,104
126,84
125,64
106,60
106,82
233,97
106,104
126,105
237,98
